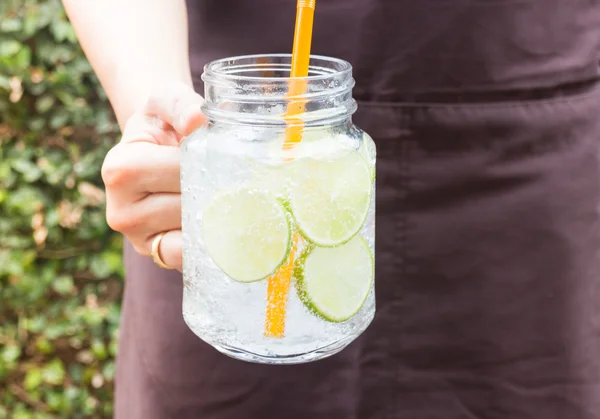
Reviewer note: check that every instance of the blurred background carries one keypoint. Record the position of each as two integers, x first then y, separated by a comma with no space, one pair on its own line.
60,265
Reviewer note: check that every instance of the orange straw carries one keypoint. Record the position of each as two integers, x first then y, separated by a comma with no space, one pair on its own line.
279,284
300,63
278,288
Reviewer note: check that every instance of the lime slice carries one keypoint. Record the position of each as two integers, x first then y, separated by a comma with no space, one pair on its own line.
334,283
247,233
330,199
368,152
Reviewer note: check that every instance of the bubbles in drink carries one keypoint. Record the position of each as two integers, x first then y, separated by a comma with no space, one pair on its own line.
278,244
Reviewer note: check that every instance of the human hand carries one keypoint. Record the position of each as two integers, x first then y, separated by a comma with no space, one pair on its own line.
141,173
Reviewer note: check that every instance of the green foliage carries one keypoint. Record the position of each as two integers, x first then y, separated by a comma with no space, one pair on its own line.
60,265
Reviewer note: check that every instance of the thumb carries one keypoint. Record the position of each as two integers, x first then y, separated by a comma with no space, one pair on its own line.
178,105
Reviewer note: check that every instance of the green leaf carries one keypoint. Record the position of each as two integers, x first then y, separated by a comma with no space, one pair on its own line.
72,393
63,284
9,48
93,317
27,258
4,82
62,31
76,373
60,118
37,89
22,414
44,103
99,349
4,169
55,401
62,125
113,347
28,169
44,346
55,330
36,124
25,200
32,21
23,58
11,353
48,11
36,324
109,371
52,53
10,25
15,56
33,379
54,373
100,267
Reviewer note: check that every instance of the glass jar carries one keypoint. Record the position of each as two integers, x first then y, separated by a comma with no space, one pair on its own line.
278,212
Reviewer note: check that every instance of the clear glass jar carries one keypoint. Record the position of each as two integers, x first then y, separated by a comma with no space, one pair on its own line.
278,235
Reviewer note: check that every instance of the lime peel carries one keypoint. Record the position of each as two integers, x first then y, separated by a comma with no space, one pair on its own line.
247,233
334,283
330,200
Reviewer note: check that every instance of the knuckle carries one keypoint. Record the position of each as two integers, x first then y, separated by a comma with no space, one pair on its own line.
137,122
153,102
120,220
113,220
117,169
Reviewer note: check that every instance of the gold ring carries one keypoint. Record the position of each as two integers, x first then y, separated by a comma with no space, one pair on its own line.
156,251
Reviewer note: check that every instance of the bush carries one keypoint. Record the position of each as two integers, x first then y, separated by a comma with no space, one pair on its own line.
60,265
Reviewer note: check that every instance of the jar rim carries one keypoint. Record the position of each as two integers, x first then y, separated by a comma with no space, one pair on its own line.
255,89
224,69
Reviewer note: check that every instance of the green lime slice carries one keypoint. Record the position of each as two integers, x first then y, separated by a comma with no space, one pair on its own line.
369,152
334,283
247,233
330,199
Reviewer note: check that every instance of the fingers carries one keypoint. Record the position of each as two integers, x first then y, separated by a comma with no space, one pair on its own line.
140,168
143,220
178,105
170,249
141,173
142,196
144,128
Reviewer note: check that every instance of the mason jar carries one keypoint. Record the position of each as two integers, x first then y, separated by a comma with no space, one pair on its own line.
278,212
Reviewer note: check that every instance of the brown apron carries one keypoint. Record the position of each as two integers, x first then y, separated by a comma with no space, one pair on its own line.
486,116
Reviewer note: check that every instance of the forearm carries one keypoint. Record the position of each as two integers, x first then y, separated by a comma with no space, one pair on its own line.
133,46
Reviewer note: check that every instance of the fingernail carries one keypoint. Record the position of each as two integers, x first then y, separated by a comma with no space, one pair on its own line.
192,112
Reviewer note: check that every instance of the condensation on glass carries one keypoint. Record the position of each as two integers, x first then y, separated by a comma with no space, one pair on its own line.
278,234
